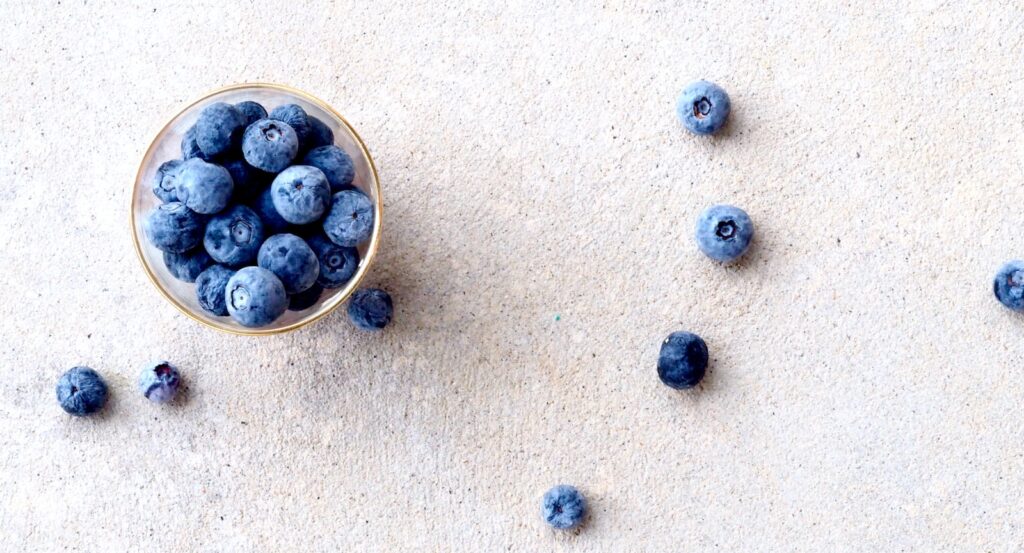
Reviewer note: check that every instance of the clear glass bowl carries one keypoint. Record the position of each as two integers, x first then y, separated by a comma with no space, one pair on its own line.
167,145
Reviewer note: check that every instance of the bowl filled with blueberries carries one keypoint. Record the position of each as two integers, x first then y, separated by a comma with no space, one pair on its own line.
257,209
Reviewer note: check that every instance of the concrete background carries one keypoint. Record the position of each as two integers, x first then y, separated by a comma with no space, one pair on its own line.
864,393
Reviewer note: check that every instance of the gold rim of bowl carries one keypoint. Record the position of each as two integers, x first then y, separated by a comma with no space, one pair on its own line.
334,302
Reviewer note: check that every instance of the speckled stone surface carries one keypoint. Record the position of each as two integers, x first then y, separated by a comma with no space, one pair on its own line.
864,392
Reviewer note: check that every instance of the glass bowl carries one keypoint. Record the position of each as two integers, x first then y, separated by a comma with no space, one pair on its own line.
167,145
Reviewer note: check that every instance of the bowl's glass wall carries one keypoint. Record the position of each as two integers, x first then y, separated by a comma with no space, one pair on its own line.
167,145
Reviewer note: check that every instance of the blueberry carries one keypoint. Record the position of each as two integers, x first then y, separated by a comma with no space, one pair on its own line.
210,287
165,179
703,107
172,227
219,128
189,148
187,266
234,237
255,297
203,187
350,219
337,263
251,111
319,133
564,507
81,391
248,180
370,309
683,360
335,163
296,117
724,232
270,145
291,259
305,300
1009,285
273,223
301,194
159,382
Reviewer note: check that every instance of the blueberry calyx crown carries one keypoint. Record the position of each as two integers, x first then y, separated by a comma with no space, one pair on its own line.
239,298
272,133
725,229
702,107
241,231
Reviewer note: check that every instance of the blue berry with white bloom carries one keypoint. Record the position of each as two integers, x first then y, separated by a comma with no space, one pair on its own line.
338,264
159,382
234,237
187,266
81,391
251,111
291,259
683,360
724,232
370,309
210,287
270,145
165,180
1008,285
336,165
172,227
703,107
255,297
564,507
296,118
350,219
218,128
301,194
203,187
319,134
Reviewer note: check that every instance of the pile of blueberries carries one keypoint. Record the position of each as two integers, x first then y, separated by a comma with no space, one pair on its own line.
261,214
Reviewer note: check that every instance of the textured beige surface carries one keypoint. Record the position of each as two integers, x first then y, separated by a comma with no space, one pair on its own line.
865,392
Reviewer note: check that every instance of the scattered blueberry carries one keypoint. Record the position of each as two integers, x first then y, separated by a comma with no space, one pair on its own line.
335,163
219,127
210,289
301,194
270,145
370,309
165,179
564,507
1009,285
255,297
187,266
159,382
703,107
338,264
350,219
273,223
724,232
81,391
683,360
203,187
319,133
234,237
296,117
251,111
291,259
174,228
305,300
189,148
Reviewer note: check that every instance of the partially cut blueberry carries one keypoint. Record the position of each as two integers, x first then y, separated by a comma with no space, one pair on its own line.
159,382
